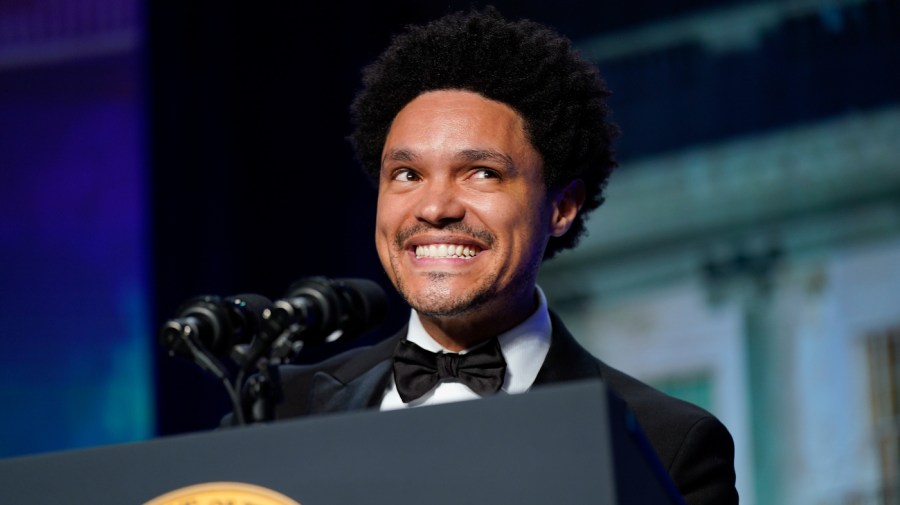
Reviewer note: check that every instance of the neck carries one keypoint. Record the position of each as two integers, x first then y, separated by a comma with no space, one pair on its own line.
464,331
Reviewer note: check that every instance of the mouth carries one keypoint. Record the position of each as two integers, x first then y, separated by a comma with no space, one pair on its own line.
446,250
454,243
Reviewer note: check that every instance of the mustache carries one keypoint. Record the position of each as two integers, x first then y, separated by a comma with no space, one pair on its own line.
479,234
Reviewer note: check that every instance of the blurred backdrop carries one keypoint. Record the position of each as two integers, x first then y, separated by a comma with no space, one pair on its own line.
747,258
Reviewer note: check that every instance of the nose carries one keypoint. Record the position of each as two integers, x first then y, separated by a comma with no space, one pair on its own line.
439,204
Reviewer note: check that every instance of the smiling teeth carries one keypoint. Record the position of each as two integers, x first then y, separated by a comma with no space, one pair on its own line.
445,251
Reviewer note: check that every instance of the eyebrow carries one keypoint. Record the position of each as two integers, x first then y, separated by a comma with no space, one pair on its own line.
487,155
467,155
399,155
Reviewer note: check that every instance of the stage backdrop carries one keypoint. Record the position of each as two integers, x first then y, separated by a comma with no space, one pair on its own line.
75,362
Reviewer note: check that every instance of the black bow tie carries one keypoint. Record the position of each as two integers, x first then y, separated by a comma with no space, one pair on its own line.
416,370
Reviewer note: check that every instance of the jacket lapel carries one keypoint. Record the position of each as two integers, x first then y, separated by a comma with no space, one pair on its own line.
329,394
358,383
566,360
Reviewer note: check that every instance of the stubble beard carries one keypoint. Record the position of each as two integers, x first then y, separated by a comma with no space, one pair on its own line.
437,302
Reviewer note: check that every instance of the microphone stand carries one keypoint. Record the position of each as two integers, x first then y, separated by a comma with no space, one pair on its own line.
262,390
262,393
253,398
206,360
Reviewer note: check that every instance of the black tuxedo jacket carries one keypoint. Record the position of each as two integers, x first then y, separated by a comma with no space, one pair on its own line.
693,446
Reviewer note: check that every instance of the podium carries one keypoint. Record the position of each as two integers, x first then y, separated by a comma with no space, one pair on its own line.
561,444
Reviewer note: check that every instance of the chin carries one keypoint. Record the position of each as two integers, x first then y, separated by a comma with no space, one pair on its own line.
444,309
438,299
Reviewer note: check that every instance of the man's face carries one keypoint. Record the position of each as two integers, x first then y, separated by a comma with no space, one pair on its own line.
463,214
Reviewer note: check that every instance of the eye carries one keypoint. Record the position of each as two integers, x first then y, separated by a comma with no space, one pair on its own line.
404,175
485,173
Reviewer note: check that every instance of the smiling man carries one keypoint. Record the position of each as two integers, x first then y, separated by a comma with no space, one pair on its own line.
490,142
464,216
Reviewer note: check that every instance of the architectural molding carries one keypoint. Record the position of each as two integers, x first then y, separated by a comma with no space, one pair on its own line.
795,190
723,29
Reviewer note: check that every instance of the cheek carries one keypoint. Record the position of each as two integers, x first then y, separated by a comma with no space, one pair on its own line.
531,231
389,218
385,212
383,249
524,216
382,219
382,233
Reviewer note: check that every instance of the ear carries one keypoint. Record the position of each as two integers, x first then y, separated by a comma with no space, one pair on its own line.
566,203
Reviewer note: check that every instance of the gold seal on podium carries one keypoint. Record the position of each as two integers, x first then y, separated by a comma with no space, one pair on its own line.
217,493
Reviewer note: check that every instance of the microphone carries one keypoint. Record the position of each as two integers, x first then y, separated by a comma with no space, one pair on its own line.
214,324
322,307
317,310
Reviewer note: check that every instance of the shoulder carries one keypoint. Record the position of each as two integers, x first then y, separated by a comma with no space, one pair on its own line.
693,446
665,419
331,365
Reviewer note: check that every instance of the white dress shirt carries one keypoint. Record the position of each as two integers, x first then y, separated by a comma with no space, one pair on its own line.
524,348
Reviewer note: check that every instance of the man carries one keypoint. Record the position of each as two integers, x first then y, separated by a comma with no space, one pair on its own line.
490,142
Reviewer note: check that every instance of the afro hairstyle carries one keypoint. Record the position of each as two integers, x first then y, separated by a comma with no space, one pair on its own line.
523,64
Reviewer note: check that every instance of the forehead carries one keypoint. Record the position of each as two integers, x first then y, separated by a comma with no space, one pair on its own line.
446,119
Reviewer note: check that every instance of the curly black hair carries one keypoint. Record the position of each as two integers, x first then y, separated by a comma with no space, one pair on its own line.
524,64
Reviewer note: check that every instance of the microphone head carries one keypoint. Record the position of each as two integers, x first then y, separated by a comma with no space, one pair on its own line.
366,302
202,319
246,316
215,324
351,306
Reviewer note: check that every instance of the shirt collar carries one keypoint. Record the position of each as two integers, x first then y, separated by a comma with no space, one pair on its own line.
524,347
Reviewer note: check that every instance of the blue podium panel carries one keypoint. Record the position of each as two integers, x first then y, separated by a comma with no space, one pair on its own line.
561,444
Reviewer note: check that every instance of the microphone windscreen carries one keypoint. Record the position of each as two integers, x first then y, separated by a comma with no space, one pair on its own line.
369,298
246,312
